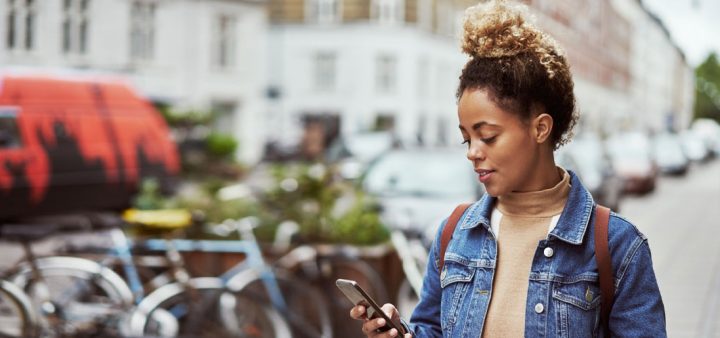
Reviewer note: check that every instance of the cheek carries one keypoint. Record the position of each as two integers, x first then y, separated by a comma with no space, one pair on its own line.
514,157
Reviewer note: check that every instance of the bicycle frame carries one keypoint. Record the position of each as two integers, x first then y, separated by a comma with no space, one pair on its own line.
253,264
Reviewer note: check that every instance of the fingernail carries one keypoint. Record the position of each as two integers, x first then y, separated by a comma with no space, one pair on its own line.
381,321
393,333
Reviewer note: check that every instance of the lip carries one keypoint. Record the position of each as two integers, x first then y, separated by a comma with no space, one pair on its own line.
484,174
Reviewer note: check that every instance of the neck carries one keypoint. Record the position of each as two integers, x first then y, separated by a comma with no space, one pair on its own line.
546,202
546,175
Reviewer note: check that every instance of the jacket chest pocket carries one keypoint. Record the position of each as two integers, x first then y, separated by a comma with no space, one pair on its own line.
455,280
577,309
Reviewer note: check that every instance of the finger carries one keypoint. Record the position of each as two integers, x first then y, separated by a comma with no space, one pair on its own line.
391,334
370,327
357,312
390,310
407,335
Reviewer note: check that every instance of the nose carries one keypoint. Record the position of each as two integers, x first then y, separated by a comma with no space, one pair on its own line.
475,152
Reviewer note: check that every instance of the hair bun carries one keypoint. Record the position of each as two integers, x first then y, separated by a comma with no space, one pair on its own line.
498,29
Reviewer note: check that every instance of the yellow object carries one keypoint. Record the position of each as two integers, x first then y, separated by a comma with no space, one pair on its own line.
160,219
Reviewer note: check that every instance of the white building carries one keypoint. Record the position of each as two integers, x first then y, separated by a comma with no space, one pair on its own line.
368,77
191,54
357,66
662,91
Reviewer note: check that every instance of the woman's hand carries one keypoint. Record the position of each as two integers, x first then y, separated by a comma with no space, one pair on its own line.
371,325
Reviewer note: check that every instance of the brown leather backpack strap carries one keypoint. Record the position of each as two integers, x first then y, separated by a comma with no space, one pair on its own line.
602,256
448,231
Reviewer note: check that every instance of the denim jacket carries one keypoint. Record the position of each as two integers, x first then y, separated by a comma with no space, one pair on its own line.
563,298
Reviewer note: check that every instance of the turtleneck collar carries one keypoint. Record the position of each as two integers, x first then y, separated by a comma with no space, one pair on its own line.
542,203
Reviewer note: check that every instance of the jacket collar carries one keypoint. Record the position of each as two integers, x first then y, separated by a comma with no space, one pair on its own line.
571,226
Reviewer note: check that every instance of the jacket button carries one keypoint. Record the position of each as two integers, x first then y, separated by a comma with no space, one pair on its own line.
539,308
548,252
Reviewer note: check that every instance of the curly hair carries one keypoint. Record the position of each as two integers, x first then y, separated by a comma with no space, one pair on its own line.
520,66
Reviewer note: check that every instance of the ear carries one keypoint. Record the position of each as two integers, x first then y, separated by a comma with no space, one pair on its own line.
542,127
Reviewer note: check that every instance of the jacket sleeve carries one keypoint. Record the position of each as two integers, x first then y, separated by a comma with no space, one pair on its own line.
638,310
425,320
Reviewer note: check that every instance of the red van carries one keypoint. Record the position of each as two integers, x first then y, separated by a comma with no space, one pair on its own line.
70,143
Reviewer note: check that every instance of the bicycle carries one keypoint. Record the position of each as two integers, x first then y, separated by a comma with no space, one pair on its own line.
65,294
252,281
321,265
76,296
17,319
413,254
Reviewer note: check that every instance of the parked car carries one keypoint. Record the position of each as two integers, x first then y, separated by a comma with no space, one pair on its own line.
709,131
353,153
669,155
586,156
69,142
631,156
694,146
420,187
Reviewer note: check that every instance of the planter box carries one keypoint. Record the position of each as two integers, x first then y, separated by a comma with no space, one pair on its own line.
381,257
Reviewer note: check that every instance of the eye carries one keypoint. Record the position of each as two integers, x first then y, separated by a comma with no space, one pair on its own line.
467,141
489,139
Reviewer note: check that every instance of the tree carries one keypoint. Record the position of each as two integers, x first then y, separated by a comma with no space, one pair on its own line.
707,89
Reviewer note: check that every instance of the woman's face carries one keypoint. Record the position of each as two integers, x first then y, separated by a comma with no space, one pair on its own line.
503,149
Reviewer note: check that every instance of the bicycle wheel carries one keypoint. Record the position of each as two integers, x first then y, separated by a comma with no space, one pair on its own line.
360,271
206,309
407,299
306,309
16,316
74,296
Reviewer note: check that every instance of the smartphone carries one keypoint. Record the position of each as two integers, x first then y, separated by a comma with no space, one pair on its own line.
358,296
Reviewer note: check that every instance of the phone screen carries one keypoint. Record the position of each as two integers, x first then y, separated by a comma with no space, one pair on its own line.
358,296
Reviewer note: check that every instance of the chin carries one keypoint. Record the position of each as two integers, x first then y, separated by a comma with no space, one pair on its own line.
493,191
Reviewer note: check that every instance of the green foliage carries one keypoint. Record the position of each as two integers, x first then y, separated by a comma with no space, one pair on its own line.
186,118
707,89
327,209
221,146
308,195
149,196
360,225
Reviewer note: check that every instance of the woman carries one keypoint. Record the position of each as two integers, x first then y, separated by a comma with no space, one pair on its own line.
522,258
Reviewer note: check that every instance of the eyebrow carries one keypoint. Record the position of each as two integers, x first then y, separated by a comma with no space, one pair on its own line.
479,125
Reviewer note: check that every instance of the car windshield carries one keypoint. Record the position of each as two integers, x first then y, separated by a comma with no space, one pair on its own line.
668,148
421,173
629,147
589,155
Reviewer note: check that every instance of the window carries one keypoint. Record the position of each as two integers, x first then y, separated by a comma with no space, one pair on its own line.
224,49
142,30
384,122
386,76
75,26
224,121
387,11
9,134
325,71
20,25
325,11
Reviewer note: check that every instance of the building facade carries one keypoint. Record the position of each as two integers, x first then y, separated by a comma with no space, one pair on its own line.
294,71
371,64
662,91
364,65
192,55
597,45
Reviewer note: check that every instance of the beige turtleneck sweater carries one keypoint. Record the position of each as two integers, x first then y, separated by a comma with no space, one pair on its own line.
519,221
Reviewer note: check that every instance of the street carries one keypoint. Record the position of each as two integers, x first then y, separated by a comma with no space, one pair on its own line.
681,219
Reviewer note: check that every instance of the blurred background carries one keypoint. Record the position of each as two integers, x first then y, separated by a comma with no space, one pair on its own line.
165,143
